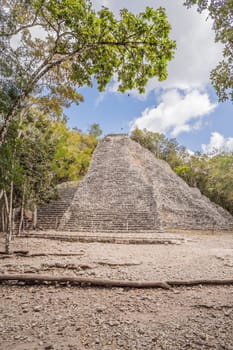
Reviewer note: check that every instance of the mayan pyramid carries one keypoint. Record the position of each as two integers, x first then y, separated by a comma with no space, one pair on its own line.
128,190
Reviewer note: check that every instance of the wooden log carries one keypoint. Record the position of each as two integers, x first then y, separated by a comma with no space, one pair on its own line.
26,254
213,282
41,279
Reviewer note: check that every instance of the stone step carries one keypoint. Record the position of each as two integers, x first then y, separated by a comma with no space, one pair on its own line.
50,214
128,189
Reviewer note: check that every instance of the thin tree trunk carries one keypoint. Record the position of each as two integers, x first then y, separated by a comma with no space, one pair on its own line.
7,225
22,212
34,223
3,218
11,210
1,195
21,219
13,223
6,202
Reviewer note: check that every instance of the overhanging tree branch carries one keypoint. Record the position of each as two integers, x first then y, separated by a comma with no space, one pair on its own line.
75,32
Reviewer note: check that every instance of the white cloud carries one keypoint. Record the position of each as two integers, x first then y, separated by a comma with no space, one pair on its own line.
176,113
218,143
196,54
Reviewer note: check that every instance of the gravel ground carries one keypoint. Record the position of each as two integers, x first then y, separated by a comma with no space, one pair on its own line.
195,257
75,318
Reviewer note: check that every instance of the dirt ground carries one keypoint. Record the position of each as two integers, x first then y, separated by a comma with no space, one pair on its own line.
77,318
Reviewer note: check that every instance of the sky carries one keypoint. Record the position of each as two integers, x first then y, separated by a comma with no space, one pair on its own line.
184,106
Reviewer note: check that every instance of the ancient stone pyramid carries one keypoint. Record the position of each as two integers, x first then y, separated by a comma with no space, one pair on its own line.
128,189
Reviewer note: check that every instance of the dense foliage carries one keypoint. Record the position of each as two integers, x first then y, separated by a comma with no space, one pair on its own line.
52,48
221,12
73,152
213,175
39,153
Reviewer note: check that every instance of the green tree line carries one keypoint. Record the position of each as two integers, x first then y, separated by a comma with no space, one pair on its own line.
38,154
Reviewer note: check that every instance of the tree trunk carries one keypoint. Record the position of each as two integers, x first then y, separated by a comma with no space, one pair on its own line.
34,220
6,224
21,219
9,226
11,210
6,202
22,212
3,218
13,222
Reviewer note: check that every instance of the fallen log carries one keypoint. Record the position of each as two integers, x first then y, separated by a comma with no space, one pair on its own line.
210,282
19,252
40,279
82,281
54,254
28,255
214,307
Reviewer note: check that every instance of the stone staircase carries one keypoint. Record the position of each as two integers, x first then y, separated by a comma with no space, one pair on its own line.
50,215
128,190
112,197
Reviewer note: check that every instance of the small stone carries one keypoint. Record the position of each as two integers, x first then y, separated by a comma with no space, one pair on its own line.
17,337
49,347
100,308
227,313
113,323
37,308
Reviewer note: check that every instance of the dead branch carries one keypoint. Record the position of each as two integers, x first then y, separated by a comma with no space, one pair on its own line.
26,254
215,307
210,282
54,254
115,264
40,279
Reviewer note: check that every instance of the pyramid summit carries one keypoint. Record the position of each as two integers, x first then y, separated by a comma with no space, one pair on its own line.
128,189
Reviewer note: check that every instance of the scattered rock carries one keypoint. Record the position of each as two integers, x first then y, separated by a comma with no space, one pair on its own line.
37,308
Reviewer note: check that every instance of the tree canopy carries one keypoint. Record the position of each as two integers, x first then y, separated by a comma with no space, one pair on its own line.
75,44
221,12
